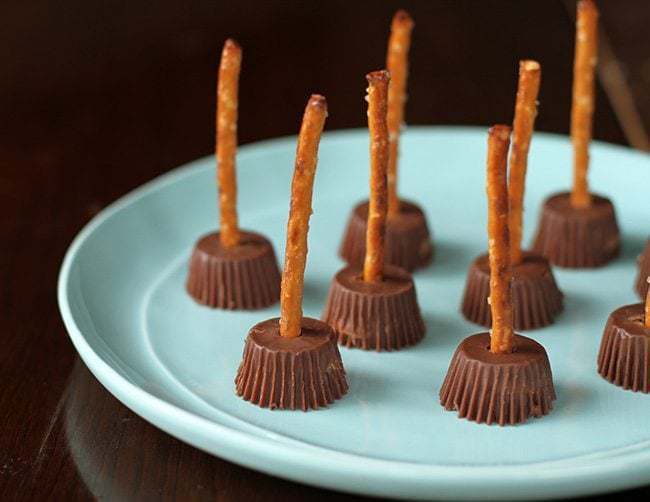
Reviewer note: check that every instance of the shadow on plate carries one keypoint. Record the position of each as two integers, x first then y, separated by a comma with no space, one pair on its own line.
449,259
444,331
632,246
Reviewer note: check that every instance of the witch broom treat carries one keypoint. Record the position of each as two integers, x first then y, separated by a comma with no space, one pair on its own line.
231,268
536,298
623,357
293,362
375,307
641,284
579,229
498,377
408,242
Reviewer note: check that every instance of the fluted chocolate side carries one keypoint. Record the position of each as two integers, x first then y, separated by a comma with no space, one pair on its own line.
577,237
641,284
536,298
408,241
624,356
302,373
504,389
382,316
245,277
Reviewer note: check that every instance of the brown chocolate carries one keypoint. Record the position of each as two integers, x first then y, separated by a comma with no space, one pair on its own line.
504,389
536,299
244,277
577,237
641,284
624,356
380,316
301,373
408,242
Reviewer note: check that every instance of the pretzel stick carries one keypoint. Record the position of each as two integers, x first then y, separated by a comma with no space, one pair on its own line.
227,103
397,64
647,307
525,113
377,210
300,210
582,108
498,240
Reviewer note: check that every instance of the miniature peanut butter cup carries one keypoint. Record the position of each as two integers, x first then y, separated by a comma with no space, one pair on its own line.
624,356
293,362
536,299
408,241
374,316
641,284
579,229
374,307
301,373
498,377
504,389
577,237
244,277
231,268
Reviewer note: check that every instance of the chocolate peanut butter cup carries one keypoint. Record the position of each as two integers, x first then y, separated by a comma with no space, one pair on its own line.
380,316
504,389
301,373
643,274
536,298
624,356
579,229
499,377
408,241
372,305
231,269
293,362
577,237
243,277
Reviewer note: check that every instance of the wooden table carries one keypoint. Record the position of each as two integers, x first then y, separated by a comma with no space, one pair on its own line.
99,97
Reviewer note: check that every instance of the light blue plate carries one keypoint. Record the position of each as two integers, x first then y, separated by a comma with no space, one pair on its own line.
121,292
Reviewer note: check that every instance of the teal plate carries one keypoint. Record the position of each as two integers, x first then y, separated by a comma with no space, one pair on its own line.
121,294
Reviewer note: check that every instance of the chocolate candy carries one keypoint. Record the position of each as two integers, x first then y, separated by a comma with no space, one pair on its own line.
300,373
641,284
243,277
577,237
408,242
536,299
380,316
503,389
623,357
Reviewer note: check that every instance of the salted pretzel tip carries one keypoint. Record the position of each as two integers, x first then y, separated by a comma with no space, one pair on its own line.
499,240
523,125
582,107
399,44
226,141
378,82
302,187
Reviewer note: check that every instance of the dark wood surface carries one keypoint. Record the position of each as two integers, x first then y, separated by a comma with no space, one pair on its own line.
99,97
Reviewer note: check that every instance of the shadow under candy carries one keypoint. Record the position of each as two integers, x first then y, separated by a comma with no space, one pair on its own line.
449,258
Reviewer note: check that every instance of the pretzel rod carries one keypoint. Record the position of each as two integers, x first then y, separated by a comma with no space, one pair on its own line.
647,307
582,108
373,264
397,64
227,103
498,240
525,113
302,187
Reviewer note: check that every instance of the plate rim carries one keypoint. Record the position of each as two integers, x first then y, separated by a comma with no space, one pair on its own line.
614,469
